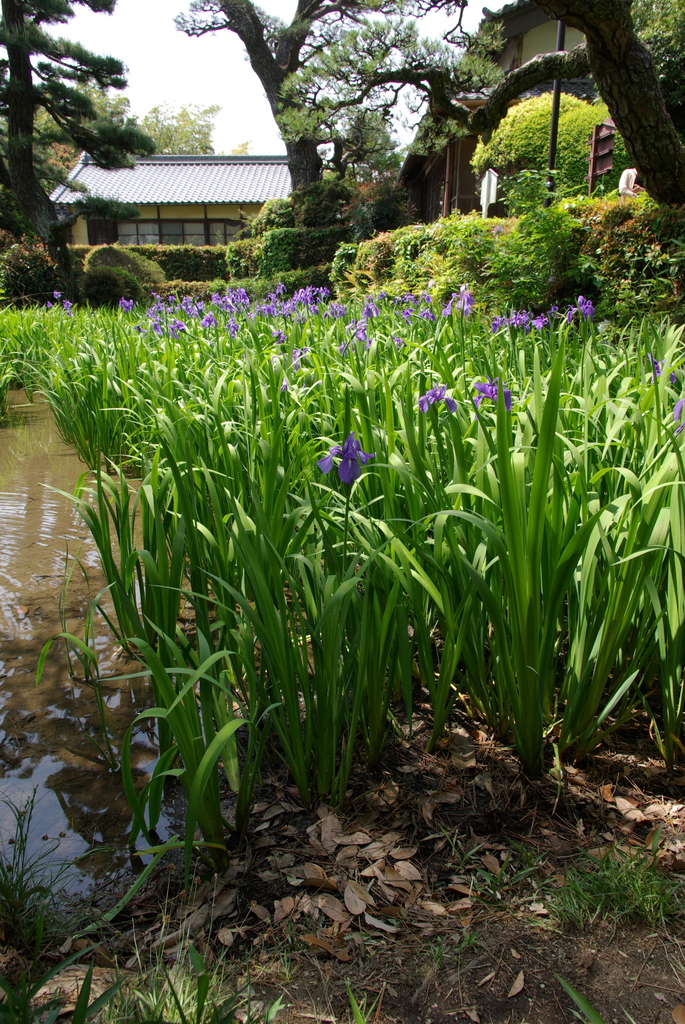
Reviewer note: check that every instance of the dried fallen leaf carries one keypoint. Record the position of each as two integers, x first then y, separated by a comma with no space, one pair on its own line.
486,979
446,796
66,986
353,901
491,863
331,907
516,956
375,922
261,912
539,908
340,952
282,908
354,839
679,1014
403,852
225,936
517,987
472,1014
313,871
330,832
409,871
361,893
434,908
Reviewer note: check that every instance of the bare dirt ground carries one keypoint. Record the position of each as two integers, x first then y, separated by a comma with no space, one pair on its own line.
438,894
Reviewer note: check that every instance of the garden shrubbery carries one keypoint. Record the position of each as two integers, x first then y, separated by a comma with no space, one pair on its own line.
105,286
628,255
119,258
28,273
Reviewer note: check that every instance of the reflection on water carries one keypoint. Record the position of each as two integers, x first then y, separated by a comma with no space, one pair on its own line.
47,731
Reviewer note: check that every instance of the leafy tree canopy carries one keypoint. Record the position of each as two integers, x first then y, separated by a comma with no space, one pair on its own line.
339,55
187,129
45,100
661,24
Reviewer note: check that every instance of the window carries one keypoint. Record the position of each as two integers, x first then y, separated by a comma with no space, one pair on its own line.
176,232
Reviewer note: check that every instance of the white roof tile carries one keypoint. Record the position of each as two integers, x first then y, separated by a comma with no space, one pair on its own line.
183,179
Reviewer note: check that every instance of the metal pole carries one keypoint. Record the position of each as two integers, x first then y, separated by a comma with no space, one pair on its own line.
554,127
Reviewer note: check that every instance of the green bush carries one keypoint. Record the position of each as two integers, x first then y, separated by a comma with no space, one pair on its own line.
317,246
322,204
28,273
7,240
377,206
278,251
521,142
627,255
105,286
276,213
242,258
119,258
344,261
633,257
187,262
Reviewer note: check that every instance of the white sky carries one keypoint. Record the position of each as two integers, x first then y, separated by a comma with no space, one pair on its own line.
166,65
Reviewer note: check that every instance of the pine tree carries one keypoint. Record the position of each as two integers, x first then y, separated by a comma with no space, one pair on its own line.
44,99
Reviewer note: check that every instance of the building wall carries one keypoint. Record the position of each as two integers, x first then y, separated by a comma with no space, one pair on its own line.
237,212
543,39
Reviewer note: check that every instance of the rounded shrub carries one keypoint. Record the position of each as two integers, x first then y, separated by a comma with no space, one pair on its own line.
521,142
275,214
117,258
105,286
28,273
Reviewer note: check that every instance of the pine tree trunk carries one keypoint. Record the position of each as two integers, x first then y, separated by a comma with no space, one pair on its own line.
304,162
624,71
35,202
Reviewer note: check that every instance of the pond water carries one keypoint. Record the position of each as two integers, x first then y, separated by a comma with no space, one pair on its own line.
46,731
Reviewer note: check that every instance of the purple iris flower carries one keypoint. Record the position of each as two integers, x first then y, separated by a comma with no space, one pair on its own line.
464,300
491,390
540,321
497,322
57,295
399,342
587,310
278,336
126,304
175,328
67,306
351,459
208,320
570,313
436,394
521,319
678,414
657,367
285,386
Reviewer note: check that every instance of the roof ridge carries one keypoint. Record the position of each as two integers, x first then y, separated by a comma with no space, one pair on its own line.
199,158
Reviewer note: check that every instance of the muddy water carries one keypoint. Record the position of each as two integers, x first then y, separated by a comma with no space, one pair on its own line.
48,732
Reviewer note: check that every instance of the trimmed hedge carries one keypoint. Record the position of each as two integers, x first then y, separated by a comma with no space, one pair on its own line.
124,258
284,249
178,262
258,288
627,255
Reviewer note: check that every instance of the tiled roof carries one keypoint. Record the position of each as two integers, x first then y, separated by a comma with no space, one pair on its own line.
183,179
